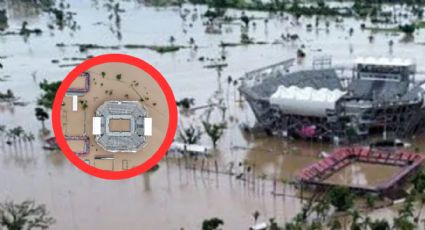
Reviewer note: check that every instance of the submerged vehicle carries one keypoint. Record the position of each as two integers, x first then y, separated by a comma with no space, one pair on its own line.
376,96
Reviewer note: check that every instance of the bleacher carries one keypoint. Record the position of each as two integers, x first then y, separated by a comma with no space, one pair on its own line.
318,172
122,141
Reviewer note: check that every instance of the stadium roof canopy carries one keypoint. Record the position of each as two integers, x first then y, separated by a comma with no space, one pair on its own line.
120,141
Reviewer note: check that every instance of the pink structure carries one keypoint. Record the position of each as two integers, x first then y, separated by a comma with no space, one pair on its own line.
84,90
317,173
86,143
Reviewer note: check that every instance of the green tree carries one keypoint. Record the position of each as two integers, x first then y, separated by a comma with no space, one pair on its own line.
49,93
214,131
24,216
212,224
404,220
256,214
355,220
273,225
408,28
341,198
379,225
419,181
191,135
41,116
186,103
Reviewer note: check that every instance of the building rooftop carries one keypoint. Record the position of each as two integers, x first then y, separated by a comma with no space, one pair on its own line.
383,61
129,140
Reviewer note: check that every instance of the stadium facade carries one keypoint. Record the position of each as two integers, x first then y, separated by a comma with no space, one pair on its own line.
377,95
130,140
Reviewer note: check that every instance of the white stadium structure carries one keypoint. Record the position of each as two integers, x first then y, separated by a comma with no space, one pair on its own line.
129,140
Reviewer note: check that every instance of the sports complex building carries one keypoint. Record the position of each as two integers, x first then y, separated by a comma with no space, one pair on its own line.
121,126
375,96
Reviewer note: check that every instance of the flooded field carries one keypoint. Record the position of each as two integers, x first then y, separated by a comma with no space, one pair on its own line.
175,196
363,174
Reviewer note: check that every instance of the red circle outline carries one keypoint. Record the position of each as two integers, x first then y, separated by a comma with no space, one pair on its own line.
172,121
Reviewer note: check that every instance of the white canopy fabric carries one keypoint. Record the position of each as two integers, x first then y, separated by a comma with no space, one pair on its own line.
193,148
96,125
74,103
305,101
148,126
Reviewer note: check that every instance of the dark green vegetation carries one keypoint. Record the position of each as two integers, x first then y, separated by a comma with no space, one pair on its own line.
49,92
24,216
212,224
190,135
338,208
3,19
294,7
84,104
341,198
8,96
41,116
186,103
214,131
15,135
157,48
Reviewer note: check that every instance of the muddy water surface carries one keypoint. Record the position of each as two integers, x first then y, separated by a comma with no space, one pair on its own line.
173,196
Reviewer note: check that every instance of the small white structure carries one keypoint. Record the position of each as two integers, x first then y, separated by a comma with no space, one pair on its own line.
74,103
97,125
305,101
148,126
260,226
189,148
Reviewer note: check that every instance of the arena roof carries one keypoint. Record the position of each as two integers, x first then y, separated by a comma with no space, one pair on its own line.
316,79
121,141
305,101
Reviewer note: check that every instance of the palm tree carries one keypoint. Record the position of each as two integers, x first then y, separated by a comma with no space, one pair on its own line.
212,224
191,135
25,215
103,74
171,40
16,133
41,115
256,214
214,131
119,76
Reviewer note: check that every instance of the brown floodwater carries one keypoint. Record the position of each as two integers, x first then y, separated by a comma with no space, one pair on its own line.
175,195
363,174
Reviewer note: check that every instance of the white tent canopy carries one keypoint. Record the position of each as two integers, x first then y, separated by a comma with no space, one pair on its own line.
305,101
148,126
97,125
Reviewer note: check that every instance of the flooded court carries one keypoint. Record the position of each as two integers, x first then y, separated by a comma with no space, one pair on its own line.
363,174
